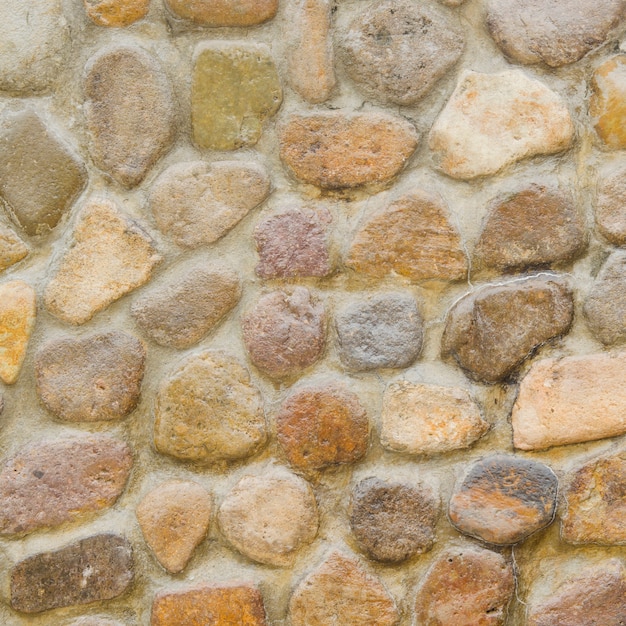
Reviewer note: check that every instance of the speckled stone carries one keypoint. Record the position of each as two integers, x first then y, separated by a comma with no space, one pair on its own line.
116,12
607,106
224,12
610,208
12,248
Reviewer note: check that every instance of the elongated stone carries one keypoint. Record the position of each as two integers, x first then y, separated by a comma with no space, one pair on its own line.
224,12
95,620
116,13
12,248
606,105
611,204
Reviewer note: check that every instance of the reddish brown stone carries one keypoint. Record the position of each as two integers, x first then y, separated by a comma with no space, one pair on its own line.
611,205
116,12
224,12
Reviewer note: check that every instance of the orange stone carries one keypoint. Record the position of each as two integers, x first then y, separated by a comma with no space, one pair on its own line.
607,106
116,12
224,12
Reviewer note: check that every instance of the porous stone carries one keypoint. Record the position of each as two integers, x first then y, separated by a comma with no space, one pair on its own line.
429,419
494,120
270,516
235,88
393,241
611,205
207,410
322,426
12,248
116,12
397,51
129,111
49,483
224,12
197,203
89,570
335,150
174,518
110,256
88,379
503,499
606,105
492,330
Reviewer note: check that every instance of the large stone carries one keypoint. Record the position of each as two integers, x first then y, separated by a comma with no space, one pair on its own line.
492,330
493,120
335,150
235,88
12,248
611,204
224,12
129,110
53,482
607,106
116,13
110,256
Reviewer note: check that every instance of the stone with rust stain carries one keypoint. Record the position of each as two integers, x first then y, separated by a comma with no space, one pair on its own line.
224,12
116,12
611,204
12,248
607,106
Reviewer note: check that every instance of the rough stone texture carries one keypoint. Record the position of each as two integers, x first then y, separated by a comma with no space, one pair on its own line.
207,410
129,111
393,521
95,620
180,310
224,12
285,332
235,87
197,203
492,330
109,256
90,570
49,483
429,419
174,518
116,12
493,120
270,516
606,105
503,499
12,248
342,593
611,205
322,426
94,378
383,330
392,241
397,51
335,150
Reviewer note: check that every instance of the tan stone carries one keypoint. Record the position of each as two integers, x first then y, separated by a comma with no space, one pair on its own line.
224,12
94,620
607,105
611,204
12,248
116,12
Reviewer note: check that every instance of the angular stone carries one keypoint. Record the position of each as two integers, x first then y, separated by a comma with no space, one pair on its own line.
397,51
116,12
110,256
129,111
285,332
555,33
383,330
207,410
429,419
322,426
197,203
90,570
12,248
224,12
174,518
607,106
492,330
392,521
392,241
466,586
611,205
181,309
503,499
235,88
493,120
95,620
570,400
335,150
50,483
269,517
342,593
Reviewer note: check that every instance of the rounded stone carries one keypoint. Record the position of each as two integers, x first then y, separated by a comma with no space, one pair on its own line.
607,106
116,12
224,12
12,248
611,205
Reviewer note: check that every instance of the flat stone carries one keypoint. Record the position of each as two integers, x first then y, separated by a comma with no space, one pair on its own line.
89,379
503,499
40,175
235,88
180,310
116,12
110,256
392,521
270,516
12,248
429,419
611,205
607,106
391,241
224,12
570,400
322,426
293,243
90,570
129,111
335,150
174,519
285,332
464,586
397,51
207,410
555,33
492,330
342,593
197,203
95,620
53,482
494,120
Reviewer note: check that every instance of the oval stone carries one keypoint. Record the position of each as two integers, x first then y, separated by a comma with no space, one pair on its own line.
611,204
116,13
607,105
224,12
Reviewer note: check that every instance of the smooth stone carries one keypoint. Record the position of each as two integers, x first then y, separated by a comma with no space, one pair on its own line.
12,248
607,105
610,206
224,12
116,13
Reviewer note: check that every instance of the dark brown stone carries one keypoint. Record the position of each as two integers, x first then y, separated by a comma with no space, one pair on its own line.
611,205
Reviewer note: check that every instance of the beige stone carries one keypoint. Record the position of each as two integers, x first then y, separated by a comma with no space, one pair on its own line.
224,12
611,203
116,12
12,248
607,105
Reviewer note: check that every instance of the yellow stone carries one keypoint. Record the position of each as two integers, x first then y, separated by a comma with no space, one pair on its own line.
116,12
607,106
